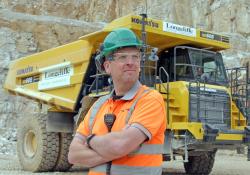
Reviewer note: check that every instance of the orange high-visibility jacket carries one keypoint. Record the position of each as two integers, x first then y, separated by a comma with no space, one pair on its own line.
142,108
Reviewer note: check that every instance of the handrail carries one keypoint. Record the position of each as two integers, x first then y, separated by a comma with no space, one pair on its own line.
239,88
96,81
166,89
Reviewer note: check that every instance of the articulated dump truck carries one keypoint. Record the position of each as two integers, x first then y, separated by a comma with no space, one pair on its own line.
206,104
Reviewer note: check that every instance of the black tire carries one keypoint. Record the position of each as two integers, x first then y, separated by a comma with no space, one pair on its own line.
200,164
62,163
37,149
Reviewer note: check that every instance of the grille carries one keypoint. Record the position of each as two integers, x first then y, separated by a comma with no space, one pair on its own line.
209,106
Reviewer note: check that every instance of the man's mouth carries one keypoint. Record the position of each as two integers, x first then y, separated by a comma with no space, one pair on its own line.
130,70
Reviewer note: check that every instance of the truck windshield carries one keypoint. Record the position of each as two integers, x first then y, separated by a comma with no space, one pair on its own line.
208,66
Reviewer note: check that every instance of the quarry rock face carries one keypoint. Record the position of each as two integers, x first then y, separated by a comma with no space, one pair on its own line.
28,27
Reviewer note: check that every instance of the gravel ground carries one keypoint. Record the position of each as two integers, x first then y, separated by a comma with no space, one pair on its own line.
226,163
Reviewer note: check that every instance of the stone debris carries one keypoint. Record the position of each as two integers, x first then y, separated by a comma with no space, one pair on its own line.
8,141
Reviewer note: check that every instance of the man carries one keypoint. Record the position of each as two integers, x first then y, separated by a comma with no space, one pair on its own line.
136,114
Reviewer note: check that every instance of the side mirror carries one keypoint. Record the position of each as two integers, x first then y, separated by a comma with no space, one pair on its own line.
153,55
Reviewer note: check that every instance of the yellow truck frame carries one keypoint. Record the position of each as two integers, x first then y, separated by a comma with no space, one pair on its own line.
204,112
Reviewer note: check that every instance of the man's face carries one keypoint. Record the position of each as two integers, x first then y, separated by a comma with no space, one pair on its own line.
125,66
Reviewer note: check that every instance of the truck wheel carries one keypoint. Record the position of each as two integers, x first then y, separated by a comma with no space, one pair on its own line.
201,164
37,149
62,163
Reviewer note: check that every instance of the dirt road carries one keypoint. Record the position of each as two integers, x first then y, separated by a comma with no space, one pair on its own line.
227,163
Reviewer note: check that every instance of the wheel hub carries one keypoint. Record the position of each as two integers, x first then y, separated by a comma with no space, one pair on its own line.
30,143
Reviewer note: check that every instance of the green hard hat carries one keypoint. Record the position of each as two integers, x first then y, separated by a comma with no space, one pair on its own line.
118,38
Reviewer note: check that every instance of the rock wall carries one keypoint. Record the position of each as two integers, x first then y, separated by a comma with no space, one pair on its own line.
27,27
22,34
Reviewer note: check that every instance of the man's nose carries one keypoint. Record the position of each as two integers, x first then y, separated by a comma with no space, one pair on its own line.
130,60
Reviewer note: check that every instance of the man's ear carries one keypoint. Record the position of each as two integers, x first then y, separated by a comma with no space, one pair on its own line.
106,66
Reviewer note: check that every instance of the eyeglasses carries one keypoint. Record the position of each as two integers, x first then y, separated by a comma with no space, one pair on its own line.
123,57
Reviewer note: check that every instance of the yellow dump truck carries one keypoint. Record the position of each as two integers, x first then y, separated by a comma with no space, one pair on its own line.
206,109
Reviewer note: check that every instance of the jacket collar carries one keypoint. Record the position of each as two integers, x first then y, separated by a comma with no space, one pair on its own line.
131,93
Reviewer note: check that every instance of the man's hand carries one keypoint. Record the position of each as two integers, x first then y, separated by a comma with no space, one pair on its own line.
80,153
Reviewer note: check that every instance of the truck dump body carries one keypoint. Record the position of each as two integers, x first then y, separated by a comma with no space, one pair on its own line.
55,76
